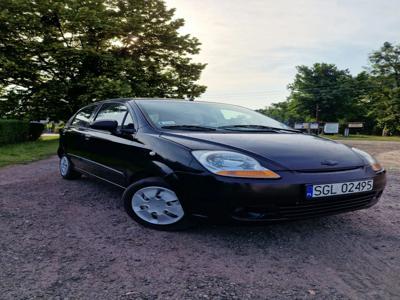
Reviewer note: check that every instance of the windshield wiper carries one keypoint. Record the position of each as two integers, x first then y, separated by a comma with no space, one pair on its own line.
189,127
257,127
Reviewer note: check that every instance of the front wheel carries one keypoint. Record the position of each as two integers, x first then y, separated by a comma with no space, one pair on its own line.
66,169
152,203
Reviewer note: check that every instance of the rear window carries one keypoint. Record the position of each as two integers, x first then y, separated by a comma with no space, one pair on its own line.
82,117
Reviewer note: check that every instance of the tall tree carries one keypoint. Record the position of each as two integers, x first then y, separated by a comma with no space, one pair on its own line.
56,56
385,98
322,92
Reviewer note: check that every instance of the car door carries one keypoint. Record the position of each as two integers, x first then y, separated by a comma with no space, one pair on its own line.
75,137
115,154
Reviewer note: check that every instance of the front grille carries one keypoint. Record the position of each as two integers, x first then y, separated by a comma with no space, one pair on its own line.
317,207
306,209
328,169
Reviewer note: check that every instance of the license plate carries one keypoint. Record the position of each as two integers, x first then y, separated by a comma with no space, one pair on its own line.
335,189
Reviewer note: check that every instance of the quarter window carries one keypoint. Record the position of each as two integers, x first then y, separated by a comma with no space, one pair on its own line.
128,123
82,118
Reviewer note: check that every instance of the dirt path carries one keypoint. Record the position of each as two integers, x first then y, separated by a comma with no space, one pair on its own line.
70,239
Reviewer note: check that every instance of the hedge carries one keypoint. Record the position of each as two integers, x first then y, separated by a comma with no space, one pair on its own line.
16,131
13,131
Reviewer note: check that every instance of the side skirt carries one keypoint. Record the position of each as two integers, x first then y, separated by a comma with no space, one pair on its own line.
98,177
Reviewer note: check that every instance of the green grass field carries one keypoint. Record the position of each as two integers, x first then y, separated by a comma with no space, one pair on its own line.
363,137
28,151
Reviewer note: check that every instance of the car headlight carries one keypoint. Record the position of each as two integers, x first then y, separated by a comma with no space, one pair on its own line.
233,164
375,165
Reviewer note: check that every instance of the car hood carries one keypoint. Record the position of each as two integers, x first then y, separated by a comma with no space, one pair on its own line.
297,152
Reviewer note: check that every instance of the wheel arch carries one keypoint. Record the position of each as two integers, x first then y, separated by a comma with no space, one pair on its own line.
60,151
155,169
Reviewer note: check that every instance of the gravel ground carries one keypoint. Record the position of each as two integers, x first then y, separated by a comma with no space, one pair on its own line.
71,239
388,153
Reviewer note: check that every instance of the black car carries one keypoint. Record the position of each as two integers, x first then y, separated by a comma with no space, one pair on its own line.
179,159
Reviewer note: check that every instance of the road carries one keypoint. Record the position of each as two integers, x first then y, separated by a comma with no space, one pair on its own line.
71,239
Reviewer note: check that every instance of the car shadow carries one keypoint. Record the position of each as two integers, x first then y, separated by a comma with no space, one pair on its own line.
319,228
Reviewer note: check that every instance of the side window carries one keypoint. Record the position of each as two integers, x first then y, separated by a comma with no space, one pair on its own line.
112,111
83,117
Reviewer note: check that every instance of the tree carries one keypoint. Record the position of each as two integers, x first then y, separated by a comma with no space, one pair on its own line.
322,92
325,93
385,97
56,56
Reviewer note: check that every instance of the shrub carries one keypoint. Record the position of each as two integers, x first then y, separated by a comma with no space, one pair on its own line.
13,131
35,130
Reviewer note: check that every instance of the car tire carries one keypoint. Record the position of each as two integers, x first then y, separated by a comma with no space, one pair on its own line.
152,203
67,170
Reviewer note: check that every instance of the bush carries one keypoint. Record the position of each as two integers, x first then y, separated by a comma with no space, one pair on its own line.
13,131
35,130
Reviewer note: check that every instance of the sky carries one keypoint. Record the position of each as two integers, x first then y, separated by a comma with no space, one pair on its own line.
252,47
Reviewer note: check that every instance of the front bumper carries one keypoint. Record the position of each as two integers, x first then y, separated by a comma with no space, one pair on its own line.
224,198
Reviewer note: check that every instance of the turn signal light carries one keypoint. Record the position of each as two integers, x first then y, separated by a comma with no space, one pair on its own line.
376,167
250,174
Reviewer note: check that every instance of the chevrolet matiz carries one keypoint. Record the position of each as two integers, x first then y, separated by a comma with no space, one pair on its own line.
179,160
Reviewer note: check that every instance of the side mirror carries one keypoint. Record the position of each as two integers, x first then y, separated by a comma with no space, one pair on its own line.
108,125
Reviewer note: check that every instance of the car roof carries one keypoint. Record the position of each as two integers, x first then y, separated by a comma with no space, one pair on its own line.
141,98
132,99
125,100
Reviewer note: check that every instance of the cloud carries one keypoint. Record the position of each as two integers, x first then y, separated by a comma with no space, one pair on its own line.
252,47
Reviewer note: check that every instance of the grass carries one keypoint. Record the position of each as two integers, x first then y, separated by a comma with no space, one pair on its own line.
27,152
362,137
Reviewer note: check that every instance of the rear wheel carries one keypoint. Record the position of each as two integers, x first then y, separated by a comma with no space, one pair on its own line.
152,203
67,170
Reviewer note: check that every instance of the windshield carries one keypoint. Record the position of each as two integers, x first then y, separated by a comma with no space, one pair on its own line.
172,114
